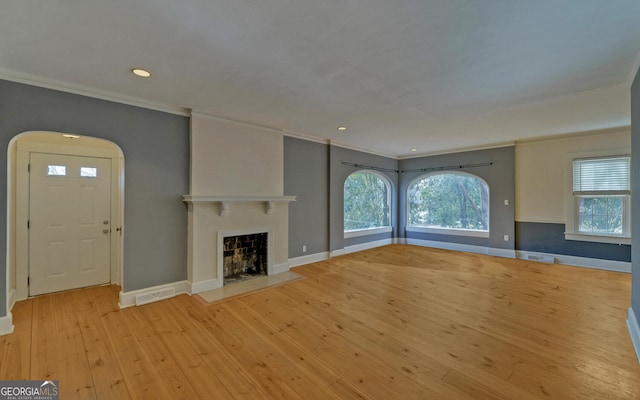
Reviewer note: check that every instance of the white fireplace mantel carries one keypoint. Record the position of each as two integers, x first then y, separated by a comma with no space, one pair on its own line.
224,201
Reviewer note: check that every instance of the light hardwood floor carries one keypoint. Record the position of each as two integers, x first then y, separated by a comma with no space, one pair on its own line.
397,322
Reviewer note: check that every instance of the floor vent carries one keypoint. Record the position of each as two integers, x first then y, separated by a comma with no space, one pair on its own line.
546,259
155,296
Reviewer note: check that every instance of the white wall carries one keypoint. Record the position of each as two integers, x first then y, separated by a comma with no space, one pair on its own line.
234,159
540,171
206,222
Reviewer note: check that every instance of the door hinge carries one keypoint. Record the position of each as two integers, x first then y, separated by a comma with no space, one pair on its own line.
28,280
28,224
28,167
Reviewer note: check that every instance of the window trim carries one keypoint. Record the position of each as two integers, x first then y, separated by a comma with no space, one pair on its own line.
367,231
449,231
446,231
571,202
378,229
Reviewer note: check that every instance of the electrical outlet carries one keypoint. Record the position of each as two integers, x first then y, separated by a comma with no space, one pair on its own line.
506,238
304,248
506,202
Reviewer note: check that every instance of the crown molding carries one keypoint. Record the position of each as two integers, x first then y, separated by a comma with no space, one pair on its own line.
623,129
283,132
47,83
308,138
349,147
199,114
634,70
459,150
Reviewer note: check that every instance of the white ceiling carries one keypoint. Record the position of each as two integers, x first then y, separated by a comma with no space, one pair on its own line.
436,75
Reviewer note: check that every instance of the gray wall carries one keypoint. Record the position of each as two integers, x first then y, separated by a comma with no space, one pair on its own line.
501,180
306,175
635,200
338,174
549,238
156,151
500,177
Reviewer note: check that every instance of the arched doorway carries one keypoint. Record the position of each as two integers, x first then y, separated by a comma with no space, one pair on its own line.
34,145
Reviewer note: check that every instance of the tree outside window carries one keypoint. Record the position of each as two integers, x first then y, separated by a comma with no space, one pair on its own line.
450,201
366,201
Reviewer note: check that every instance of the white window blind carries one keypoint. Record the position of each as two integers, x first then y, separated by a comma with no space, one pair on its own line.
610,174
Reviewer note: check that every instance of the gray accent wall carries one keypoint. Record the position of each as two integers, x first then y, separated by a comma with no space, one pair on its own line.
306,175
500,176
338,174
635,200
156,152
549,238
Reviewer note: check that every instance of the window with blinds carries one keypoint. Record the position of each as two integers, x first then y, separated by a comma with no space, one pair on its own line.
602,175
601,191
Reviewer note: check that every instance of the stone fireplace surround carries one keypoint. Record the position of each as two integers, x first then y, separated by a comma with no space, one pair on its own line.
243,254
210,218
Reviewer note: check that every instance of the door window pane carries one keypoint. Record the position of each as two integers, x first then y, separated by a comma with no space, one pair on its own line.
56,170
88,172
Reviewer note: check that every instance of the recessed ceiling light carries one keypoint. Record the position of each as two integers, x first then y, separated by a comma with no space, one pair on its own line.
69,136
342,128
414,150
141,72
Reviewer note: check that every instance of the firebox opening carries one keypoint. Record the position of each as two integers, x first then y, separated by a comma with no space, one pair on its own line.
245,257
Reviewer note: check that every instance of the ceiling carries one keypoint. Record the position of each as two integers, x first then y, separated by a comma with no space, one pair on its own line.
430,75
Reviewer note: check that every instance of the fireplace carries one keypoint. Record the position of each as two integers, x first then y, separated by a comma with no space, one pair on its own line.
211,219
244,256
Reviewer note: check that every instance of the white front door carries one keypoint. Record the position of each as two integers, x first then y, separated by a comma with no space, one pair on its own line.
69,222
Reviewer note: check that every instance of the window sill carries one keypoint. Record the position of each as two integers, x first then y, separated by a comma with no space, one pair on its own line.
446,231
597,238
366,232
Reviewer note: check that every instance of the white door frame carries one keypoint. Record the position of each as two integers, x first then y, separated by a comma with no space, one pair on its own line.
18,200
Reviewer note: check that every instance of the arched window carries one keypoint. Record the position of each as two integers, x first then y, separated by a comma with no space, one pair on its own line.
455,202
366,201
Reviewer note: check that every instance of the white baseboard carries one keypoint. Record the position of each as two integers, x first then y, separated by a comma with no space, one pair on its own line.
634,331
366,246
128,299
279,268
336,253
12,298
595,263
6,324
506,253
361,247
467,248
203,286
311,258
